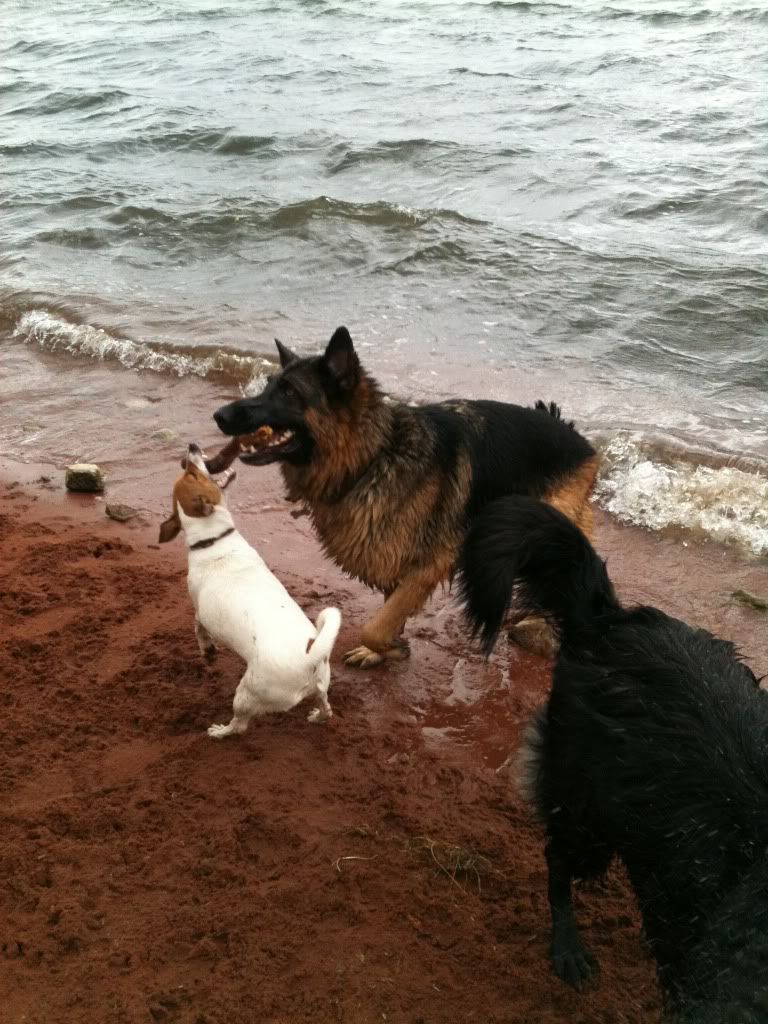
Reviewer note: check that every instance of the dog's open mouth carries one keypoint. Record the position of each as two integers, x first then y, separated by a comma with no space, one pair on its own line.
219,468
267,444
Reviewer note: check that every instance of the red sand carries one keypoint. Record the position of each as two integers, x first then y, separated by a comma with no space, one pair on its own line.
298,873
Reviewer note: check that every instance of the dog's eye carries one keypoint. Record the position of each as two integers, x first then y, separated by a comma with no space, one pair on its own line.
287,388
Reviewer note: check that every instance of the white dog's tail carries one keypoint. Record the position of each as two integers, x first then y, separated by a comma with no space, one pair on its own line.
327,625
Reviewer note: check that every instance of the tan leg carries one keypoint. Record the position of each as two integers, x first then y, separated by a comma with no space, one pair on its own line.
572,496
572,499
382,634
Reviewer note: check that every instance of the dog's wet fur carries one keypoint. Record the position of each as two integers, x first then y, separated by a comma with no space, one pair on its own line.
653,747
391,487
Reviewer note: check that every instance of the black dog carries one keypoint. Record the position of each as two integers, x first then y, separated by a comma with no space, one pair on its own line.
653,747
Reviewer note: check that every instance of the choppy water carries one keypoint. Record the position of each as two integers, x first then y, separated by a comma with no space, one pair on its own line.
566,198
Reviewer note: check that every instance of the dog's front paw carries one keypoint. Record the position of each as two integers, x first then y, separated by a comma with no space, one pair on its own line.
365,657
573,963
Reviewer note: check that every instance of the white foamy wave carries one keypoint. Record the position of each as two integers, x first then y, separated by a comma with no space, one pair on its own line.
52,334
727,504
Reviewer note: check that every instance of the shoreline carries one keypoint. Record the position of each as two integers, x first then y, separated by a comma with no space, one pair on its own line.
67,407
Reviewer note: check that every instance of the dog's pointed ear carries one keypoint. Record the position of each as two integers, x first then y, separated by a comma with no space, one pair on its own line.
341,359
170,528
286,356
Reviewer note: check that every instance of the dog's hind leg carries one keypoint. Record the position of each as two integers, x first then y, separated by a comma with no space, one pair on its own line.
205,641
321,711
572,960
244,705
382,634
535,635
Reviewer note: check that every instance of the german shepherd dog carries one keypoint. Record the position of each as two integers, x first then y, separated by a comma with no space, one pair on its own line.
651,748
391,487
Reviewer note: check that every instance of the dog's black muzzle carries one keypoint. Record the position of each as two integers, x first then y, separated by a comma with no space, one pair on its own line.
241,417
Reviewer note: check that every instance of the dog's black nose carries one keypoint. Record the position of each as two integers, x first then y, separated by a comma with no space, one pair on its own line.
195,449
234,418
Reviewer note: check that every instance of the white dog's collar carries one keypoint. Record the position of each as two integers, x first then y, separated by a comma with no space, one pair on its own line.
211,540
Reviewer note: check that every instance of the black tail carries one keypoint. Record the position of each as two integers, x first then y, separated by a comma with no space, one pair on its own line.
524,550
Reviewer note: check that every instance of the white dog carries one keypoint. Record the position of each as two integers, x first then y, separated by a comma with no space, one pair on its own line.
240,604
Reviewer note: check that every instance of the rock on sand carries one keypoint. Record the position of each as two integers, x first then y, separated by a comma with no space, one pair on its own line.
84,476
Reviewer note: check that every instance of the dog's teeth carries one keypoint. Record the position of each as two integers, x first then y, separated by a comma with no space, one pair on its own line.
276,440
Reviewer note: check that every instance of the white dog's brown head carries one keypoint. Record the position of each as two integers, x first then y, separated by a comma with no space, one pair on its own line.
195,492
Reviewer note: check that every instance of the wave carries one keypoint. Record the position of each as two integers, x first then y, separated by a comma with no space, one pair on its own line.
76,238
419,152
204,140
446,252
380,214
61,100
669,17
56,335
234,144
524,6
484,74
17,85
726,503
223,222
684,14
397,150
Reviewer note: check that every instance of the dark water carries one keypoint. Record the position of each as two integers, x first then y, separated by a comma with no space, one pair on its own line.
488,194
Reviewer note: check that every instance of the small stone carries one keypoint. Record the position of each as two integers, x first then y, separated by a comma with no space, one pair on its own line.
165,435
84,476
121,513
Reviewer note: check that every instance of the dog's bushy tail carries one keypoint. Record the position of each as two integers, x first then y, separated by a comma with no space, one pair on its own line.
327,625
524,551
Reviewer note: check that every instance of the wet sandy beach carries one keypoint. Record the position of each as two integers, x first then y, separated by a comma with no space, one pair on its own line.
379,868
